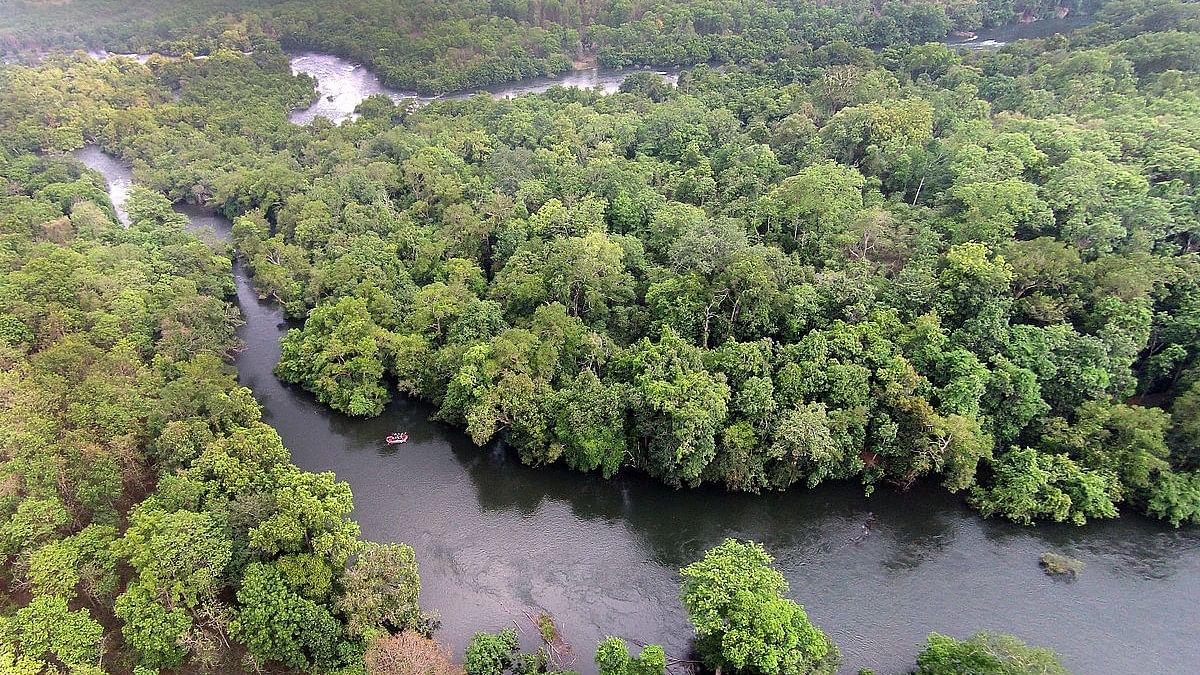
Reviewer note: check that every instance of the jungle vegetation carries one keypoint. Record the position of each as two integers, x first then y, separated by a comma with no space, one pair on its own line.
843,264
815,262
434,47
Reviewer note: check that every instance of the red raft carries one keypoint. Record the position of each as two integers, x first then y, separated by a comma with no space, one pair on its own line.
396,439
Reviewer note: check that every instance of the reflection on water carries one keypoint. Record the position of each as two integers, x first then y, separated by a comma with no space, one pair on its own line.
494,538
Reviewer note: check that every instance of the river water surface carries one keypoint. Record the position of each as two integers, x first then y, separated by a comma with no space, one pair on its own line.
342,85
495,539
994,38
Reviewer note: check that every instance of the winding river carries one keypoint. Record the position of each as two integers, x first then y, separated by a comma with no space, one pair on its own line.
495,538
342,85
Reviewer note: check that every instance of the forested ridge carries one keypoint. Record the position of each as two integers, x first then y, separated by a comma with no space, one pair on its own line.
844,265
822,263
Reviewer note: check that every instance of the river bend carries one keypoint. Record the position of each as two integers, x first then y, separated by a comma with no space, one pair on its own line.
494,537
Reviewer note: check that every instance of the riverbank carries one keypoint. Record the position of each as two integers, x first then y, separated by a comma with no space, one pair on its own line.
342,85
494,536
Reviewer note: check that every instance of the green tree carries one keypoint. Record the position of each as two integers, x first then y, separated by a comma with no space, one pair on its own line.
589,422
34,522
153,631
678,407
1175,498
1028,485
743,623
381,590
813,209
338,356
985,654
276,624
47,628
490,653
613,658
181,556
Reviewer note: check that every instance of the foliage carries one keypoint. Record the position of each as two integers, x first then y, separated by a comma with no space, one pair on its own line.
153,631
743,622
181,556
1030,485
128,447
490,653
985,653
381,589
47,629
337,355
277,624
472,43
613,658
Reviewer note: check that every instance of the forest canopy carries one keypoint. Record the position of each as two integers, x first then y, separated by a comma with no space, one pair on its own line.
837,250
841,264
447,46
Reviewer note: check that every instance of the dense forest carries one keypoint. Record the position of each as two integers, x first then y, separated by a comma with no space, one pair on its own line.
816,262
140,481
438,47
844,264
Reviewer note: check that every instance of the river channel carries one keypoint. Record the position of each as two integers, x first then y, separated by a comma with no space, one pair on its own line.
342,85
496,539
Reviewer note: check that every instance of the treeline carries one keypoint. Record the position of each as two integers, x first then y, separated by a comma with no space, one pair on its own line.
439,47
31,26
839,265
457,46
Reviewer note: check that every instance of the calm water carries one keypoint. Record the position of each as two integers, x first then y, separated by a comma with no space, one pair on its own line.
495,538
994,38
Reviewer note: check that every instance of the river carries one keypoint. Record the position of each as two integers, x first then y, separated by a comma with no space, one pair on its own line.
494,538
342,85
994,38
